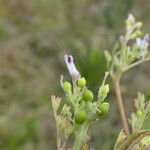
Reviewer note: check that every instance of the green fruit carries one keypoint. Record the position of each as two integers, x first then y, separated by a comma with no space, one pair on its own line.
80,117
104,108
67,86
81,82
87,95
139,113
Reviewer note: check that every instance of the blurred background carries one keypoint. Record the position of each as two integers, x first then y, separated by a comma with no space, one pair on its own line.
34,36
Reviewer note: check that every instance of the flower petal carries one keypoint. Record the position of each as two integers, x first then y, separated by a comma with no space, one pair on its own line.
71,66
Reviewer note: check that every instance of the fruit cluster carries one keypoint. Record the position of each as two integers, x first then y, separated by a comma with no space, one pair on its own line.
82,100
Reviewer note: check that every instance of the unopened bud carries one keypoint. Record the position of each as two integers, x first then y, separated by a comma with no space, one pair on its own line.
81,82
139,114
103,91
67,86
128,23
139,25
138,33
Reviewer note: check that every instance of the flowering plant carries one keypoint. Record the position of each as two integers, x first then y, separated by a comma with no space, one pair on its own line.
80,109
130,51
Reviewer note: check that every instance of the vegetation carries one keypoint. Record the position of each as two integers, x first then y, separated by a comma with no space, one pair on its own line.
76,118
33,38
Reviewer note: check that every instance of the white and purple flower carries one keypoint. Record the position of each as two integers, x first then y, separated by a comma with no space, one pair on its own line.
143,43
71,66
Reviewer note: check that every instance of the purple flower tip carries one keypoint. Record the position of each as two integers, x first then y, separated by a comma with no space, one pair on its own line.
69,59
71,66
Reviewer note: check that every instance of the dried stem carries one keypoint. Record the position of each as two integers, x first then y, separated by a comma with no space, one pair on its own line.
121,106
133,139
57,130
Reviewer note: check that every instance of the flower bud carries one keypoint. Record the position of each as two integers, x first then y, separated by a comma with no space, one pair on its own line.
139,24
81,82
131,19
128,23
103,108
103,91
87,95
138,33
67,86
80,117
139,114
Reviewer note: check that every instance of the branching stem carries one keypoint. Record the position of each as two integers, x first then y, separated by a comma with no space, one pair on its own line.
138,62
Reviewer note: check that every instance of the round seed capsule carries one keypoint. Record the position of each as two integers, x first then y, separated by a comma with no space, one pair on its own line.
104,108
87,96
67,86
80,117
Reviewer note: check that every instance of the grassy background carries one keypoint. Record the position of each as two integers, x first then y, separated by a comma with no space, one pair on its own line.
34,35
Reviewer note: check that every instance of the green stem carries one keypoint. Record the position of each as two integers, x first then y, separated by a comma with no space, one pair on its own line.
80,137
138,62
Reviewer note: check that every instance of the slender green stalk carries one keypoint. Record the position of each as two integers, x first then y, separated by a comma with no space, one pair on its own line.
80,137
137,63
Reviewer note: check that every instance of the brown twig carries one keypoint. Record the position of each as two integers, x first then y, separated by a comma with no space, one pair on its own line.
121,106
